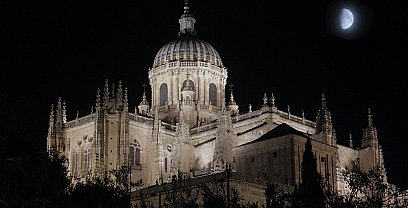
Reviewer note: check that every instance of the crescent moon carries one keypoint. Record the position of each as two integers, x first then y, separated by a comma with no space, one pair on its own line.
346,19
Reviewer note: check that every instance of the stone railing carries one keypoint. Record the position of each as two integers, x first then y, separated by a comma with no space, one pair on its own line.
203,128
295,118
263,110
169,126
139,118
82,120
248,115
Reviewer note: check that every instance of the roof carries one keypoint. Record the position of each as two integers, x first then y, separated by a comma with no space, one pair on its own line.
281,130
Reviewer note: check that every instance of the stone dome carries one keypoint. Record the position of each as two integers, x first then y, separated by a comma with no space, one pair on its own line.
187,48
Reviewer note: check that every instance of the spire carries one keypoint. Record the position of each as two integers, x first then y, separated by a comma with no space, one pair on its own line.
370,132
120,95
125,100
144,100
232,101
323,102
144,105
113,90
232,105
106,92
187,21
52,113
64,113
59,107
98,99
370,119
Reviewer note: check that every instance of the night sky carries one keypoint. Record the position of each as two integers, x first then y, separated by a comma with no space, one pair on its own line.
68,49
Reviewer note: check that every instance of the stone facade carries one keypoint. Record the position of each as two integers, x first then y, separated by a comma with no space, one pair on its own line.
187,127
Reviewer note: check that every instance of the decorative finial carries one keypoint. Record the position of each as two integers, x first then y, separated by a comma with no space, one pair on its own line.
323,102
113,90
350,141
370,119
119,96
265,101
273,100
52,112
186,7
106,92
231,87
144,101
250,108
64,113
288,112
98,98
126,98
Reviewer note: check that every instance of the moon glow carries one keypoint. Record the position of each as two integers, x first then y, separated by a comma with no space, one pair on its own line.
346,19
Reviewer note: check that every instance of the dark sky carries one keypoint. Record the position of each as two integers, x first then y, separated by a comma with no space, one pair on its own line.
68,49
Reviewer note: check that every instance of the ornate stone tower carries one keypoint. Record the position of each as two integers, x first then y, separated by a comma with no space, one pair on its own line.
371,151
111,145
187,75
324,126
56,132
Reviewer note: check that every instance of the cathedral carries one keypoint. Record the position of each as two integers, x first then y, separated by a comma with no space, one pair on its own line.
193,125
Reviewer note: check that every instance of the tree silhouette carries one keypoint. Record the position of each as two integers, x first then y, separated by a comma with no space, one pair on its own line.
112,189
310,193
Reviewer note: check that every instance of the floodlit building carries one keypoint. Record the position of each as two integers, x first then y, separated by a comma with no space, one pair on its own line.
190,125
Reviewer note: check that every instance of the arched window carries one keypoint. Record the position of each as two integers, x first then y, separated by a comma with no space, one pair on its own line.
74,162
163,94
134,153
188,85
213,94
87,159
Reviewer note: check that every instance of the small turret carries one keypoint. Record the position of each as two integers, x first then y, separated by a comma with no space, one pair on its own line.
187,21
144,105
232,105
